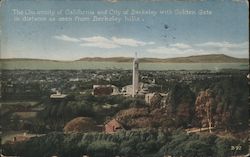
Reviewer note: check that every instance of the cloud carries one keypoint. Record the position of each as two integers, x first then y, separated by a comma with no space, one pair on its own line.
182,49
175,50
113,42
103,42
95,39
99,42
169,52
224,44
180,46
66,38
112,1
130,42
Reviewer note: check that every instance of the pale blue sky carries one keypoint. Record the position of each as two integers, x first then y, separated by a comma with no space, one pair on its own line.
224,31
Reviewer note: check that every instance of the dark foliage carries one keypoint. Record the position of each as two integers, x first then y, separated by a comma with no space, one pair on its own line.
126,143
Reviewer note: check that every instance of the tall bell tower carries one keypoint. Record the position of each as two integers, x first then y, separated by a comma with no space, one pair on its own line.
135,76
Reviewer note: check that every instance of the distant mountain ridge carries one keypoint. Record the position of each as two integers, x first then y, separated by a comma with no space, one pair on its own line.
211,58
30,59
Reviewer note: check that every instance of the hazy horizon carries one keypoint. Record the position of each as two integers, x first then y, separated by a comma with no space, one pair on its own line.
121,57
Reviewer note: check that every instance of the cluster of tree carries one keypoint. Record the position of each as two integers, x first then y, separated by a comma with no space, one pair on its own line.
9,119
100,108
231,99
221,104
181,105
123,80
148,143
224,104
22,91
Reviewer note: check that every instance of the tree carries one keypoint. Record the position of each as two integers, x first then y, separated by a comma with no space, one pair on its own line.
204,105
102,149
181,105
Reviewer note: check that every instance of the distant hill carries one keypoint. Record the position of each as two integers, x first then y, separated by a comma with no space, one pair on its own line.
111,59
29,59
212,58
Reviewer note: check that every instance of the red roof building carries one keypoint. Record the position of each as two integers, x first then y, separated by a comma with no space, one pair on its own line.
113,126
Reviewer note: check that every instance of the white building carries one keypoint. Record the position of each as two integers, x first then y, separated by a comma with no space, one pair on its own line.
58,95
129,89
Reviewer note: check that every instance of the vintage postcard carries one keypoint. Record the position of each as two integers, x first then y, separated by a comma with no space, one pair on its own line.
124,78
